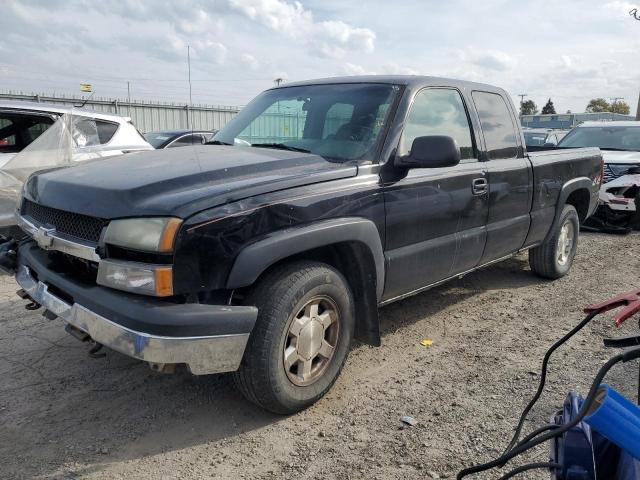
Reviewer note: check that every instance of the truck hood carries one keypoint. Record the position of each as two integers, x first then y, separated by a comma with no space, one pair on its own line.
177,181
614,156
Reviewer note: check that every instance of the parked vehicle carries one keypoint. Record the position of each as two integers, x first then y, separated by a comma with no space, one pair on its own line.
38,136
19,127
22,122
619,204
542,137
269,259
178,138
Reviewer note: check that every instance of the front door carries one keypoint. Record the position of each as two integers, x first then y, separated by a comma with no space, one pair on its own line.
435,219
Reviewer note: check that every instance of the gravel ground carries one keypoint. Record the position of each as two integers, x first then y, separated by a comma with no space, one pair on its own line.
65,415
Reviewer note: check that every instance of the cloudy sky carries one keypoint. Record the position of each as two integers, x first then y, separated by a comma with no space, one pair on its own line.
568,50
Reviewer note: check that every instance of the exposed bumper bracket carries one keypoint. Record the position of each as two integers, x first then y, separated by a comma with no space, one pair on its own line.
203,354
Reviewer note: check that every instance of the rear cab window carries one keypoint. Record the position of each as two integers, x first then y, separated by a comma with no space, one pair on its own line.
497,125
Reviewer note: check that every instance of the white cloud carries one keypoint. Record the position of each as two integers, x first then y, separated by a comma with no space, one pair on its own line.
250,61
584,49
622,7
328,38
489,59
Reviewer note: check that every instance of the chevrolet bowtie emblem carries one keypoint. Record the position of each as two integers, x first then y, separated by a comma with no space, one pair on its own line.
44,236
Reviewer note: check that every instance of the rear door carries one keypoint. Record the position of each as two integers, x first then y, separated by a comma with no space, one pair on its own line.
509,174
435,221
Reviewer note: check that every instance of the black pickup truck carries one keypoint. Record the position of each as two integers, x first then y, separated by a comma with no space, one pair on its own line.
266,251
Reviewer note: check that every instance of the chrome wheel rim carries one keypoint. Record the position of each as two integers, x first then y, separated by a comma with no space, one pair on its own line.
312,337
565,243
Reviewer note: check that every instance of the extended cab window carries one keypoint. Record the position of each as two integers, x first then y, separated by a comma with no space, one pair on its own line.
438,111
497,125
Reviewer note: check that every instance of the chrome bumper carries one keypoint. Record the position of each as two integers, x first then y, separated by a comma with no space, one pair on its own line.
203,355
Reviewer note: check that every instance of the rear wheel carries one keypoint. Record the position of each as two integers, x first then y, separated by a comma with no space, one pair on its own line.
301,338
553,259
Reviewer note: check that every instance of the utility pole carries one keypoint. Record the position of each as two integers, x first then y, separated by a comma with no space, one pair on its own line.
190,101
129,100
522,95
638,109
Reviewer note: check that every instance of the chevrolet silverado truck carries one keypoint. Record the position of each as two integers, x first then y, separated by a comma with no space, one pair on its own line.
266,251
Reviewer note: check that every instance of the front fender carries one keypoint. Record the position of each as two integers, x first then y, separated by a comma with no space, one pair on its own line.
257,257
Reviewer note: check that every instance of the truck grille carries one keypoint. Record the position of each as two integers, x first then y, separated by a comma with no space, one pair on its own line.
613,171
75,225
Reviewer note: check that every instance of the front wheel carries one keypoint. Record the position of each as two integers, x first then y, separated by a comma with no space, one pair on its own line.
553,259
301,338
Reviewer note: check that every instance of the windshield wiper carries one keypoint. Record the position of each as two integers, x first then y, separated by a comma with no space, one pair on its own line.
280,146
217,142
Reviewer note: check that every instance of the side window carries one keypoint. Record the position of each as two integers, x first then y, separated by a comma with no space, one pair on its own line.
497,125
37,129
106,131
438,111
338,115
7,132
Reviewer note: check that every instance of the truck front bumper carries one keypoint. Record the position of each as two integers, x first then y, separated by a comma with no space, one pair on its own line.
207,338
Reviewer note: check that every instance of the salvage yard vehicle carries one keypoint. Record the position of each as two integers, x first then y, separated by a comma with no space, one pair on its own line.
178,138
542,137
22,122
39,136
619,203
267,252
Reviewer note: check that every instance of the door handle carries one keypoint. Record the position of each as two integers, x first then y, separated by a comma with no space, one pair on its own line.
480,186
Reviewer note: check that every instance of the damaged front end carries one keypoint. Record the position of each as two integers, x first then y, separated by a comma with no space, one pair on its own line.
618,205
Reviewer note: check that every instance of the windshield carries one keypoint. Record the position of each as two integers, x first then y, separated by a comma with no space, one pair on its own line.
156,139
607,138
535,139
340,122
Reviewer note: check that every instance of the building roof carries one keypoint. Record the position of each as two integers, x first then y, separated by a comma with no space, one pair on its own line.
611,123
59,110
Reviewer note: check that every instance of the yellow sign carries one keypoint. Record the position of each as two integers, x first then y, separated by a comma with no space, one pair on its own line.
85,87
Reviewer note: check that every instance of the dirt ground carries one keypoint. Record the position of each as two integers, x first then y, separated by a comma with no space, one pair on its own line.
65,415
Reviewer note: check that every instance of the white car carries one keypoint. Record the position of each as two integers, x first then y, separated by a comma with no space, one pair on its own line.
35,136
23,122
620,192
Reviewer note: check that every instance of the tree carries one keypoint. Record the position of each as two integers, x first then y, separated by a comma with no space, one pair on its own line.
548,108
620,106
528,108
597,105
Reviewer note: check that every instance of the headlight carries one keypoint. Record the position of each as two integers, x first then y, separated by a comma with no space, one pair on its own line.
142,278
146,234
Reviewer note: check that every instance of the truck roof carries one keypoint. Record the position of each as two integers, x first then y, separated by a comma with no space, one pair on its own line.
409,80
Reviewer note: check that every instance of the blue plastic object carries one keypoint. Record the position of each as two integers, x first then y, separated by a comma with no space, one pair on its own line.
617,419
574,449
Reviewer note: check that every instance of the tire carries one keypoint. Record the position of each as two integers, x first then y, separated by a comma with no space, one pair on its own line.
547,260
289,328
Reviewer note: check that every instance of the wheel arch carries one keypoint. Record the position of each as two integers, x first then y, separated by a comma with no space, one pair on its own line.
578,193
351,245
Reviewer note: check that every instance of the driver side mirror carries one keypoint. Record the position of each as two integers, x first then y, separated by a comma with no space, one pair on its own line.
432,151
